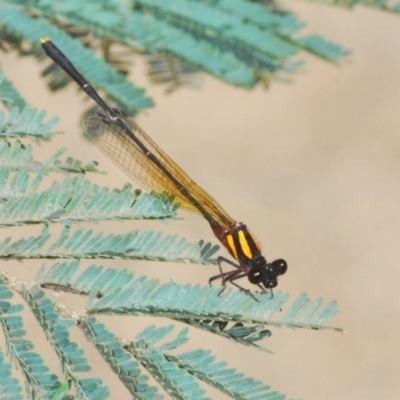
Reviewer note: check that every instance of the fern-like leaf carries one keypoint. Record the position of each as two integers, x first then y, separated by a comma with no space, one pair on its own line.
252,32
195,302
384,5
38,381
166,69
237,332
76,199
119,292
70,354
135,245
17,184
170,375
282,26
321,47
153,35
9,96
201,364
208,21
240,43
120,360
10,388
18,156
102,76
57,331
28,123
282,23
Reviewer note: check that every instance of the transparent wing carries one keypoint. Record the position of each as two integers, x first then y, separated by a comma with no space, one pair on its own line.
130,151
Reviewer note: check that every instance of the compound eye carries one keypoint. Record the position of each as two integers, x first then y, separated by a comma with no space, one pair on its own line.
270,284
279,266
254,276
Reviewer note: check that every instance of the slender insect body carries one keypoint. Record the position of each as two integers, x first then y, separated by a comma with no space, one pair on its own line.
120,138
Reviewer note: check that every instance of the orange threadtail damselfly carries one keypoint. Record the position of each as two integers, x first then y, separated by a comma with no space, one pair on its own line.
120,138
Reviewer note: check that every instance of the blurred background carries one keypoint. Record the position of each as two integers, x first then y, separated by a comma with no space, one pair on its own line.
312,167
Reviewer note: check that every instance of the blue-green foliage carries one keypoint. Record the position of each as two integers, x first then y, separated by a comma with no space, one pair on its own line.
172,377
318,45
198,363
32,30
18,156
120,360
246,41
175,372
282,23
16,184
240,42
247,335
9,96
76,199
118,291
71,356
39,382
256,35
57,331
10,389
385,5
202,364
237,41
27,123
84,243
154,35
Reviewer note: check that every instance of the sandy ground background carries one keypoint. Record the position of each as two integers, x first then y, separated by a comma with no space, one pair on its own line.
312,167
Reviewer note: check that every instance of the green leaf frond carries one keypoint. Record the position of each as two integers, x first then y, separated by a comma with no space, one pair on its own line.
10,388
120,360
60,277
175,372
101,74
16,184
201,364
149,34
239,42
321,47
264,43
27,123
39,382
174,378
116,291
18,156
237,332
9,96
152,350
76,199
70,354
209,22
384,5
135,245
255,34
163,68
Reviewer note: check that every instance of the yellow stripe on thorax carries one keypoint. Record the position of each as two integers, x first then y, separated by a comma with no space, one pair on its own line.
244,245
231,244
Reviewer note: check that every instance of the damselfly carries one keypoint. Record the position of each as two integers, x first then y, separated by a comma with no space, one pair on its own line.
120,137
